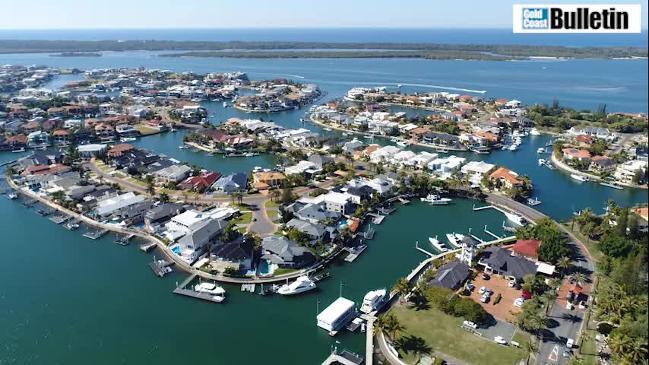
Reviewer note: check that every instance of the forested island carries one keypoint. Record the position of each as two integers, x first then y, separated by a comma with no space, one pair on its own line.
323,49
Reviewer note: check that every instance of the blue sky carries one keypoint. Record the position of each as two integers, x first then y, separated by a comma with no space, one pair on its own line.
71,14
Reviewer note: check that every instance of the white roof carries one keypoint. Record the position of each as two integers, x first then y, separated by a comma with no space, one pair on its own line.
336,197
544,268
335,310
480,167
94,147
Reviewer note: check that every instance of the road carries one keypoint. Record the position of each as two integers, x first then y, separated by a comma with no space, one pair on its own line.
564,323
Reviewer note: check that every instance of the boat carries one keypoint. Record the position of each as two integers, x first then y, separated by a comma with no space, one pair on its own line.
128,139
513,147
12,196
542,162
533,201
540,150
19,150
71,225
225,104
300,285
534,132
182,147
579,177
327,129
455,239
374,300
209,288
439,246
612,185
402,144
435,199
515,218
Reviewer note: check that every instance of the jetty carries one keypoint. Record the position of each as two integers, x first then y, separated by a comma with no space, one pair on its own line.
44,212
369,234
95,234
160,267
248,287
376,218
424,251
354,252
72,225
124,240
344,357
60,218
491,233
182,290
147,247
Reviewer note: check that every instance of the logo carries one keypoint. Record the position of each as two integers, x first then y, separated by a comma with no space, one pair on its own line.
573,18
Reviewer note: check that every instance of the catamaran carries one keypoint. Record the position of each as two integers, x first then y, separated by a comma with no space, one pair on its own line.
300,285
374,300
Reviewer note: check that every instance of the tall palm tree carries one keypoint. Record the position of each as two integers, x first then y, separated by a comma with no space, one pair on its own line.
392,326
579,277
530,348
402,287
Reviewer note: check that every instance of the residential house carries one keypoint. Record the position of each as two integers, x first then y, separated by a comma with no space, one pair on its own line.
157,216
602,164
574,154
626,172
172,174
236,255
282,252
231,184
267,179
505,178
451,275
315,231
527,248
500,261
200,182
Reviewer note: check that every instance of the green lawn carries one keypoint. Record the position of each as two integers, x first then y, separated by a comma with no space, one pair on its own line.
282,271
588,350
146,130
442,332
244,218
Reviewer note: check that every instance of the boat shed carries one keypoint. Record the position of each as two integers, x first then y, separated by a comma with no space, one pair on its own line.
336,315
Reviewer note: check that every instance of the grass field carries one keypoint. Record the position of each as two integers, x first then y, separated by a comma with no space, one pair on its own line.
442,332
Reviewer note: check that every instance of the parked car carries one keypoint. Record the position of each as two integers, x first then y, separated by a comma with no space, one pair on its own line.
512,283
570,343
482,290
485,297
500,340
470,324
569,306
470,286
519,302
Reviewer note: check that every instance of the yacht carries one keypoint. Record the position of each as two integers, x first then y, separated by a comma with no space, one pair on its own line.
128,139
540,150
513,147
612,185
455,239
22,149
373,300
533,201
579,177
225,104
541,161
439,246
402,144
209,288
300,285
515,218
12,196
534,132
435,199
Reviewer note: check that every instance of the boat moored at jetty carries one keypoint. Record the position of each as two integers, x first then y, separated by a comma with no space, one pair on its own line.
209,288
374,300
515,218
455,239
435,199
578,177
300,285
439,246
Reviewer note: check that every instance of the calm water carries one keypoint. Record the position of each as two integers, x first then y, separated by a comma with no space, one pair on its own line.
75,301
450,36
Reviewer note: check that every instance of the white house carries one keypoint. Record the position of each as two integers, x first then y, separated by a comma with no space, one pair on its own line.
627,170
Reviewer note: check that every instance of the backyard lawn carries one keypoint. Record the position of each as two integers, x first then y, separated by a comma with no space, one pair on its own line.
442,332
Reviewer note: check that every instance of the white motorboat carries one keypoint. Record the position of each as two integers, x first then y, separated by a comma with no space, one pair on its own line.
128,139
439,246
541,161
12,196
210,288
513,147
515,218
534,132
300,285
435,199
612,185
579,177
373,300
540,150
225,104
533,201
402,144
22,149
455,239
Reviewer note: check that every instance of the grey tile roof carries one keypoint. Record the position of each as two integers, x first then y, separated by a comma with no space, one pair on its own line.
451,275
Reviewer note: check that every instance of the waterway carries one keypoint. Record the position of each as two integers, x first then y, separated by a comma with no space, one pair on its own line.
69,300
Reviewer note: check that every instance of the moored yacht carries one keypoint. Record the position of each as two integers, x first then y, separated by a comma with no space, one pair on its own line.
455,239
579,177
209,288
439,246
541,161
534,132
515,218
373,300
300,285
12,196
435,199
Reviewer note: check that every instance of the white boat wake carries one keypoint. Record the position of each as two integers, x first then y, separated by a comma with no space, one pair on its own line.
446,88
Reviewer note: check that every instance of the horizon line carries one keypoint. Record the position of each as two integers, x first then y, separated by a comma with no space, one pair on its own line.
288,28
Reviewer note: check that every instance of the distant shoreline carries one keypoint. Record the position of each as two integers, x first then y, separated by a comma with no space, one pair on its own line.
235,49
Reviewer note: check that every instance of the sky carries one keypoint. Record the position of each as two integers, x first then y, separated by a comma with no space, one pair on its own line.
133,14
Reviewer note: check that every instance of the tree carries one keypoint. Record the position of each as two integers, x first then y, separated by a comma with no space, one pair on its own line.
563,264
150,187
402,287
390,325
164,197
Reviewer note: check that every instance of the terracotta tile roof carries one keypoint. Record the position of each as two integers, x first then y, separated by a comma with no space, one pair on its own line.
506,174
576,153
527,248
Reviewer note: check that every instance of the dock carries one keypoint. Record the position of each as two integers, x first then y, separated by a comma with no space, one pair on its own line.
422,250
95,234
160,267
181,290
344,357
60,218
403,200
320,276
386,211
354,253
29,203
369,234
475,209
376,218
147,247
491,233
476,238
124,240
44,212
72,225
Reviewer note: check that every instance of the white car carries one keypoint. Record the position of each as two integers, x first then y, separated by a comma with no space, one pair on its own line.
482,290
512,283
500,340
485,297
569,343
519,302
470,324
569,306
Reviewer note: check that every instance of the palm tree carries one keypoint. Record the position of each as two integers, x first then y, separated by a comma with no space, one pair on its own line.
530,347
402,287
579,277
390,324
563,264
